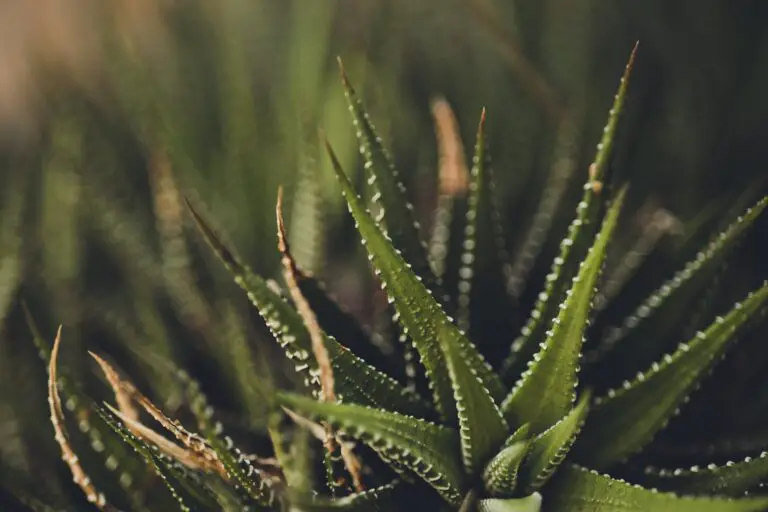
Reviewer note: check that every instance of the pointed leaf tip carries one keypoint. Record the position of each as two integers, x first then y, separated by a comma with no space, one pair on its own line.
627,419
428,325
546,391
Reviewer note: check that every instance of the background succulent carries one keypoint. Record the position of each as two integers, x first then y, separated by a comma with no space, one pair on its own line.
107,111
460,425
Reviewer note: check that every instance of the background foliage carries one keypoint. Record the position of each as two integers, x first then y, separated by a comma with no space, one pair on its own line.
109,114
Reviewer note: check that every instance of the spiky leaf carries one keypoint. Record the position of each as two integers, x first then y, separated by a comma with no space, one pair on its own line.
574,246
431,451
500,475
578,489
388,192
641,337
481,425
625,420
187,494
730,479
531,503
550,448
546,391
356,381
431,330
254,489
370,500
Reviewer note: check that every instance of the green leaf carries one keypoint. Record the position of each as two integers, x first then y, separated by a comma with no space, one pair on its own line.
641,337
546,391
355,381
483,246
370,500
730,479
573,247
257,489
625,420
531,503
500,475
431,330
388,192
578,489
431,451
482,428
549,449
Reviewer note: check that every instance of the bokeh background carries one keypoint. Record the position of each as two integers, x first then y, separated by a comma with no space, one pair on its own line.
112,112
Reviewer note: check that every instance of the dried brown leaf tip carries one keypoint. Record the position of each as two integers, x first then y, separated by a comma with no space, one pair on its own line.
453,173
68,455
195,452
327,393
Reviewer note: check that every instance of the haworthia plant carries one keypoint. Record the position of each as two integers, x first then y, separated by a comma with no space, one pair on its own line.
536,437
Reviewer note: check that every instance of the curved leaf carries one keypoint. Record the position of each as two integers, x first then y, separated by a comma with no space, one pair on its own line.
500,475
431,451
574,246
531,503
577,489
187,494
482,428
641,337
420,314
546,391
356,381
730,479
549,449
388,192
370,500
625,420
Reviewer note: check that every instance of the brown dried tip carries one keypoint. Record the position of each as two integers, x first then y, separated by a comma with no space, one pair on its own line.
68,455
343,73
124,391
453,173
198,454
327,393
168,447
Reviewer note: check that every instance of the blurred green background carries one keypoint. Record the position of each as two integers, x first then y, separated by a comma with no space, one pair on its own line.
111,112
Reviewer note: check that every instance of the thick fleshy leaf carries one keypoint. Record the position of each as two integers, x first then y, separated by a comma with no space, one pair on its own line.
573,247
625,420
500,475
356,381
531,503
431,451
641,337
578,489
388,193
482,428
484,260
729,479
431,330
550,448
546,391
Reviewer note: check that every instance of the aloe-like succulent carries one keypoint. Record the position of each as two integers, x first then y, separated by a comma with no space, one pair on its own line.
521,434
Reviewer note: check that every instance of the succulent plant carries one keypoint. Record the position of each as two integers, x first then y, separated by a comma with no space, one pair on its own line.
515,434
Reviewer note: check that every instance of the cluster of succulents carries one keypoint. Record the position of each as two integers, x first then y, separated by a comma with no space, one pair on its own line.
535,430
